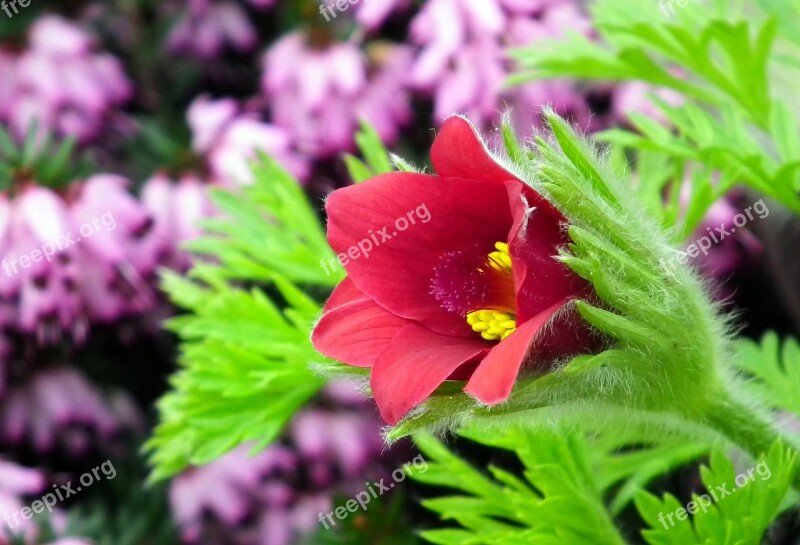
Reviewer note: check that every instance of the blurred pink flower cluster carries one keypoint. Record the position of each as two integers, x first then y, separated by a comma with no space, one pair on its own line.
277,495
70,258
16,484
59,409
463,61
61,83
319,92
229,139
206,28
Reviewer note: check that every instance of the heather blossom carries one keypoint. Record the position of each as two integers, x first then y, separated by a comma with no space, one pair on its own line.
76,256
319,91
230,139
177,208
59,409
17,482
206,28
325,452
732,252
61,83
463,63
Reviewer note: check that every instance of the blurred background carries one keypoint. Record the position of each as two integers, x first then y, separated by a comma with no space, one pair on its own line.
117,118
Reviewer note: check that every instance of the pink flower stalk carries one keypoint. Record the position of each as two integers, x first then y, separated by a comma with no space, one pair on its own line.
325,452
60,83
319,93
207,28
73,259
115,267
230,140
15,482
463,63
45,298
177,207
59,408
227,488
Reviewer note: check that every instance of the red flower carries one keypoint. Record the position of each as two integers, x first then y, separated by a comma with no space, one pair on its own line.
466,295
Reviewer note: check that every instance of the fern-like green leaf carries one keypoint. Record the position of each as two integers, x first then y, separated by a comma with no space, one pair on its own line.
773,369
736,508
245,350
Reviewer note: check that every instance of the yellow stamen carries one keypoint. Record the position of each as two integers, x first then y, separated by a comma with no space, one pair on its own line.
501,259
493,325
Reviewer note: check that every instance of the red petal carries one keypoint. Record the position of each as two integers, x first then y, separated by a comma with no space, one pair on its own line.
451,215
346,292
494,378
540,280
415,363
458,152
354,329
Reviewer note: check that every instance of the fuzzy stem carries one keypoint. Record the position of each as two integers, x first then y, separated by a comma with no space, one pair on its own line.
748,428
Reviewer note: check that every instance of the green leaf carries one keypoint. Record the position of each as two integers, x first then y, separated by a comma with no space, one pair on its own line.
773,370
558,501
736,508
731,120
246,355
377,158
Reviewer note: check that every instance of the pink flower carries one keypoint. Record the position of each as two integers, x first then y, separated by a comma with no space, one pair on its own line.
318,94
230,140
207,27
59,408
463,62
17,481
60,83
277,495
76,257
632,97
731,253
177,208
373,14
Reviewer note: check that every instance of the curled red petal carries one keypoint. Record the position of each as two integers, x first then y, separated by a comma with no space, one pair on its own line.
494,377
458,152
540,279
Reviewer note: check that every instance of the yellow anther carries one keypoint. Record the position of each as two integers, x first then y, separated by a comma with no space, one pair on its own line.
500,260
493,325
